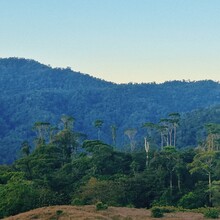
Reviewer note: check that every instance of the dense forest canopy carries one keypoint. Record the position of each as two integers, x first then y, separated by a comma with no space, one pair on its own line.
32,92
67,169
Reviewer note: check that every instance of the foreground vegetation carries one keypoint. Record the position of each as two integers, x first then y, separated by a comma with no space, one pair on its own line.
65,169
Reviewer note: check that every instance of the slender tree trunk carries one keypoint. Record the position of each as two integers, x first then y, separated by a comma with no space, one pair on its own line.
170,134
132,144
147,148
174,137
147,160
161,136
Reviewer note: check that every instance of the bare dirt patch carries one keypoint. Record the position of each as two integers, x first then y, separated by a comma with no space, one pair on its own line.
90,213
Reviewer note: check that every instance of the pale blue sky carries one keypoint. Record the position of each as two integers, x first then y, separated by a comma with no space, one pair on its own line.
116,40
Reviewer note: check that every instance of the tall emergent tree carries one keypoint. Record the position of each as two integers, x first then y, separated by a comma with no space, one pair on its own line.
213,138
174,120
113,132
98,124
131,132
42,130
67,121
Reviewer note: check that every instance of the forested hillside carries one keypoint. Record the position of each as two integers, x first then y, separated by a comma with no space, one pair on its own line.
31,92
68,170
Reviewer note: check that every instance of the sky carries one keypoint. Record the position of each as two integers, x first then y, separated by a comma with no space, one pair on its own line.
116,40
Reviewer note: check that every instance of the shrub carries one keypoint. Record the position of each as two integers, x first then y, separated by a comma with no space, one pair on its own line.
101,206
130,205
59,212
77,202
156,212
190,200
211,213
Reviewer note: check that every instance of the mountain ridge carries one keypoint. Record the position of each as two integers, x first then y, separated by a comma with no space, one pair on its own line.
31,91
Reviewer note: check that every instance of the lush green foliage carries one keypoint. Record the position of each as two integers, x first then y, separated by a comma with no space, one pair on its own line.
101,206
211,213
157,212
31,92
66,169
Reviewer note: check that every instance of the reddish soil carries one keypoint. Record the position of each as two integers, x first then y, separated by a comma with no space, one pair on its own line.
90,213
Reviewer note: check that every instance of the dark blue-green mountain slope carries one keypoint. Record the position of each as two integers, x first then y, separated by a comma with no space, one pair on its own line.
30,92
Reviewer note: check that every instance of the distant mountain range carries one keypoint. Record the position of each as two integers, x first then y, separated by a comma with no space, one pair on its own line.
30,92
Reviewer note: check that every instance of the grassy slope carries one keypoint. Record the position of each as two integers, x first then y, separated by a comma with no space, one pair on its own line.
90,213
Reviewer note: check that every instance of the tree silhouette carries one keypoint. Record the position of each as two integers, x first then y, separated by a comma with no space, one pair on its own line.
98,124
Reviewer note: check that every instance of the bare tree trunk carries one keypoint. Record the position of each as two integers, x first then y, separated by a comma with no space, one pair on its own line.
170,134
161,141
147,148
174,137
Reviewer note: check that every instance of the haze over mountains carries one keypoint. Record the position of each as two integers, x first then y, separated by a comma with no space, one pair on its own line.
30,92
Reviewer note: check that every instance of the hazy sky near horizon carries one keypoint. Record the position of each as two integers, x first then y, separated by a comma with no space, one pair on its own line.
116,40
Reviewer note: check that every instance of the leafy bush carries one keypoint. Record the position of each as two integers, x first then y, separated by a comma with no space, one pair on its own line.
101,206
77,202
193,200
130,205
189,201
211,213
156,212
17,196
59,212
